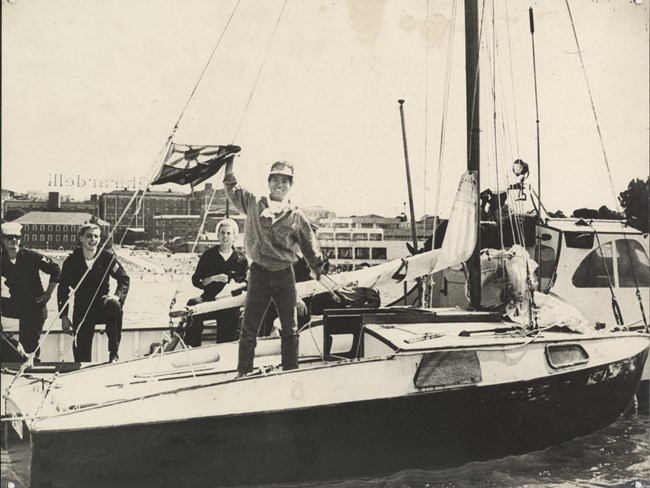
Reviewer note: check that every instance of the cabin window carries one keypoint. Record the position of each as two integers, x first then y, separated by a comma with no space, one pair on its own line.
580,240
565,355
342,236
375,237
547,266
360,237
596,270
633,267
448,368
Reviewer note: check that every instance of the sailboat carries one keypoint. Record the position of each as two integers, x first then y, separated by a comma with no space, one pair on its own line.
378,390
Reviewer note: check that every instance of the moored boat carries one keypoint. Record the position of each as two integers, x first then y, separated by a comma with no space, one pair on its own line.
405,388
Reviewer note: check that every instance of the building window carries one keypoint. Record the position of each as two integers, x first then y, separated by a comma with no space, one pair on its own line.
58,228
328,252
26,227
362,253
26,239
49,228
378,253
42,237
49,237
345,253
34,238
42,227
65,238
65,228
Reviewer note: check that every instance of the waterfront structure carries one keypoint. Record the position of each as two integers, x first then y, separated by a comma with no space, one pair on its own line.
13,205
55,230
359,241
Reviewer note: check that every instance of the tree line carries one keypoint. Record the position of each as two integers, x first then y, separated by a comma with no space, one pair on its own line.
634,201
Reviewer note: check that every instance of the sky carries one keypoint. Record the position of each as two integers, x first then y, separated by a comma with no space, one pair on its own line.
92,89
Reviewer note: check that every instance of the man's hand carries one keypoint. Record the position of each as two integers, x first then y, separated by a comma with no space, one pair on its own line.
219,278
106,298
44,298
66,325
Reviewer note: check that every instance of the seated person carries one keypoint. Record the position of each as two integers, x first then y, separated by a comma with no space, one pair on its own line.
217,266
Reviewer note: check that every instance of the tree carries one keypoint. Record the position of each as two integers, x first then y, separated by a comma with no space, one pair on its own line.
585,213
634,201
558,214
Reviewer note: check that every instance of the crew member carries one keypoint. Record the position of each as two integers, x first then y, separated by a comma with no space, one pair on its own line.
93,304
23,296
218,266
273,229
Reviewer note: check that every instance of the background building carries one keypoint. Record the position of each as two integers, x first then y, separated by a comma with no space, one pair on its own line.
55,230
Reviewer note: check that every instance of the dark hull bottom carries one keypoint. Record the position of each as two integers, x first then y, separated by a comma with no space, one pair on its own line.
428,430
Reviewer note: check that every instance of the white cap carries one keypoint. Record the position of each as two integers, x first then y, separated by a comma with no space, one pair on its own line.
12,229
232,223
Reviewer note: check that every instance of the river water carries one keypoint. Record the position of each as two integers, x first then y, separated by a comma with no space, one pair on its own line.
617,456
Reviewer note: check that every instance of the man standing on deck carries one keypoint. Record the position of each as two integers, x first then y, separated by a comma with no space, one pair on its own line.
89,271
274,228
218,266
23,296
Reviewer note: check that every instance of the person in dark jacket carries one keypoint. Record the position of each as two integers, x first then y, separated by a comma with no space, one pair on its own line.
92,302
218,266
23,296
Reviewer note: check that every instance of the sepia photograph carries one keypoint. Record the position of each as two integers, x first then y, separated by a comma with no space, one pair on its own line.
325,244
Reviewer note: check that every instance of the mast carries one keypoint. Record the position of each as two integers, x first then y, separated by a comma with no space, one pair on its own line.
408,177
473,137
414,234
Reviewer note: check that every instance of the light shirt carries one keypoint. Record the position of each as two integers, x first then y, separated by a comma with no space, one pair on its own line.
90,262
226,255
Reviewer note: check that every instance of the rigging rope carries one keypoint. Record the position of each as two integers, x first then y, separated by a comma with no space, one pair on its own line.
607,166
259,72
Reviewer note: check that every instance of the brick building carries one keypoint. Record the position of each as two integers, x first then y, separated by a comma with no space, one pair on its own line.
55,230
140,219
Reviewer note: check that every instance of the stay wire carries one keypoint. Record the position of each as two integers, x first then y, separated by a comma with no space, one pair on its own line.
259,72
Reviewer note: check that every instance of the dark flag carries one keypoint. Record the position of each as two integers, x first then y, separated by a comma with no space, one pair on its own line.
191,165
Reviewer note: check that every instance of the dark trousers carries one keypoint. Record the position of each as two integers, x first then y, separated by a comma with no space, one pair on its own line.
227,325
30,327
111,314
265,286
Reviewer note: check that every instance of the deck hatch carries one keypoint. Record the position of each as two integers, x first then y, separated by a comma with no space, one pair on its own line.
565,355
448,368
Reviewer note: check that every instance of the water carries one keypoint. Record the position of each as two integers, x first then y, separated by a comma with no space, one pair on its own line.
617,456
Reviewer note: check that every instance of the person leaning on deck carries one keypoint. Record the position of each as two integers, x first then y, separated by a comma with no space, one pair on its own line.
273,229
217,266
21,281
92,302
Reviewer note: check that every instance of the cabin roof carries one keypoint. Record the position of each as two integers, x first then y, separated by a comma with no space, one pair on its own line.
601,226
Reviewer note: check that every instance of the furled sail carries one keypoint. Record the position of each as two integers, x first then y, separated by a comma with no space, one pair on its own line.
185,164
457,247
